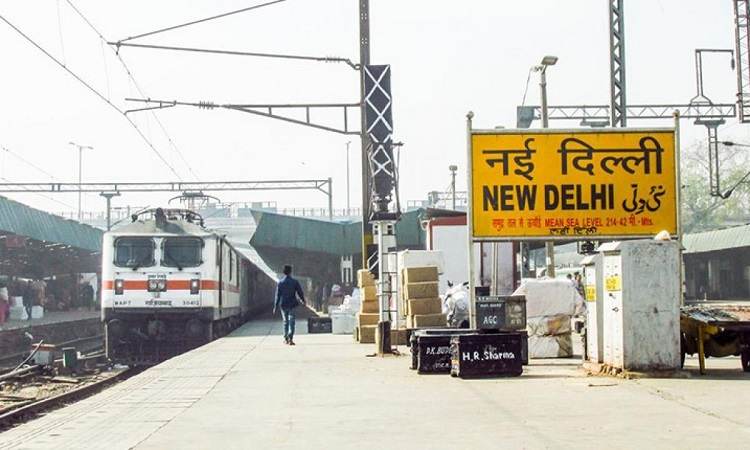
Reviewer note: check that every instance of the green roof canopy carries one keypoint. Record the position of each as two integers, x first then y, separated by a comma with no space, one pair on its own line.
281,231
713,240
17,218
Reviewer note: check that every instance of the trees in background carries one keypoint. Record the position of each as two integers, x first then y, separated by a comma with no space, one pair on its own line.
700,210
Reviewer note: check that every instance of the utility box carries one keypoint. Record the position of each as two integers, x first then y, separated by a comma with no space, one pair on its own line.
641,304
593,272
501,312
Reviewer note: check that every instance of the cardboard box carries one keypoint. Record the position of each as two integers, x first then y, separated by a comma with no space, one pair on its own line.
426,320
365,278
367,334
398,337
421,306
428,289
367,319
369,307
369,293
419,274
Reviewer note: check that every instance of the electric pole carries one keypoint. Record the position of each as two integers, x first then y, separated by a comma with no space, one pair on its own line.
364,60
453,169
348,190
81,148
547,61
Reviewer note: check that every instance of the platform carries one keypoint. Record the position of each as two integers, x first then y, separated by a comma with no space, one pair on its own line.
249,390
51,317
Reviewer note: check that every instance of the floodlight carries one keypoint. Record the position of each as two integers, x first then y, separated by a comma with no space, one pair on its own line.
549,60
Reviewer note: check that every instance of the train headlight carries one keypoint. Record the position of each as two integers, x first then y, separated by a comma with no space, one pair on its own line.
157,285
195,286
119,287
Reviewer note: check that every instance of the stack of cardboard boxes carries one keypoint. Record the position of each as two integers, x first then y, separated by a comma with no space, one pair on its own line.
421,302
367,319
369,313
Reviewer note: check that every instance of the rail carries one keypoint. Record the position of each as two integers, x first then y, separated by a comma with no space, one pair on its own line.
25,410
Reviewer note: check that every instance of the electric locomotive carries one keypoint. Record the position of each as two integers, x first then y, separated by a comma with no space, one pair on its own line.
170,285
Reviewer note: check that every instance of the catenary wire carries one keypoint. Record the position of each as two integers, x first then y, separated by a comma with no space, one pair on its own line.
60,33
526,89
27,162
42,195
332,59
206,19
93,90
106,70
137,86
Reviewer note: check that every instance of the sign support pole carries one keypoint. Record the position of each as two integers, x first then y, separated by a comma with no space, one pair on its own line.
470,223
678,199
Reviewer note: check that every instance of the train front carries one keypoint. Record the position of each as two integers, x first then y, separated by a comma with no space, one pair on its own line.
155,271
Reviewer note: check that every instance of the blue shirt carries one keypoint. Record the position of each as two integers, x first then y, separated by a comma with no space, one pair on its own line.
287,291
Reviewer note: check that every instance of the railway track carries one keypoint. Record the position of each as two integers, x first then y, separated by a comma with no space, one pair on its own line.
86,344
26,409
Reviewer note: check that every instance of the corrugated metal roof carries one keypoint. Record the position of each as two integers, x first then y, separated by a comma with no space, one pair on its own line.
713,240
276,230
23,220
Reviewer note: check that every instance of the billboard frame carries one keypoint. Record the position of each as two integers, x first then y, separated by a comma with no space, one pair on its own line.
513,131
470,132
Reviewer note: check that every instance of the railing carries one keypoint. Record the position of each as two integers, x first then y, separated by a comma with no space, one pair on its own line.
222,210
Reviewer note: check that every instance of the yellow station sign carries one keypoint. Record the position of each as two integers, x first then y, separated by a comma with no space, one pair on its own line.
576,185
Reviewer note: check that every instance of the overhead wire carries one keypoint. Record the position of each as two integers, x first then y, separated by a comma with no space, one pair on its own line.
330,59
130,75
42,195
106,70
27,162
94,91
526,89
60,34
206,19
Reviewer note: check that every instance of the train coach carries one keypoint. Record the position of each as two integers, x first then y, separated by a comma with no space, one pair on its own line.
170,285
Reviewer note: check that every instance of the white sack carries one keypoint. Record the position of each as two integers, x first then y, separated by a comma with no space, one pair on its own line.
550,297
37,312
560,346
548,325
342,323
18,313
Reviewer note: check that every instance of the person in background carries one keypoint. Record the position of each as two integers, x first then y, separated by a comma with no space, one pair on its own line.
578,281
87,296
28,298
4,303
287,292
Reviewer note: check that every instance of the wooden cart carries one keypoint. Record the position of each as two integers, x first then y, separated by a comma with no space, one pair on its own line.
715,330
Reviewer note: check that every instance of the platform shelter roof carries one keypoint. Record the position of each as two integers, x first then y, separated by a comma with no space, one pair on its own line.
315,235
22,220
722,239
34,243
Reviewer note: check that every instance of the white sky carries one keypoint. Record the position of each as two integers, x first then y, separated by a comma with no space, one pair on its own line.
447,57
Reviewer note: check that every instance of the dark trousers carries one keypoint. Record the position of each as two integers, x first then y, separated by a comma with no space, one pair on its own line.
28,311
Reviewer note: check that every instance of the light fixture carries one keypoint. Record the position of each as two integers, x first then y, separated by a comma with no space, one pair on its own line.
549,60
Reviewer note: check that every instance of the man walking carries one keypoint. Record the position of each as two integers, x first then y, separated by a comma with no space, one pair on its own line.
287,292
28,298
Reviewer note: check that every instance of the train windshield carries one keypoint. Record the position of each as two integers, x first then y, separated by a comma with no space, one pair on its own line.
134,252
182,252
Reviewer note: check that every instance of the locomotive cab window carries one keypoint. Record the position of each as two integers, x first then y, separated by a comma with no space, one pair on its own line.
134,252
182,252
